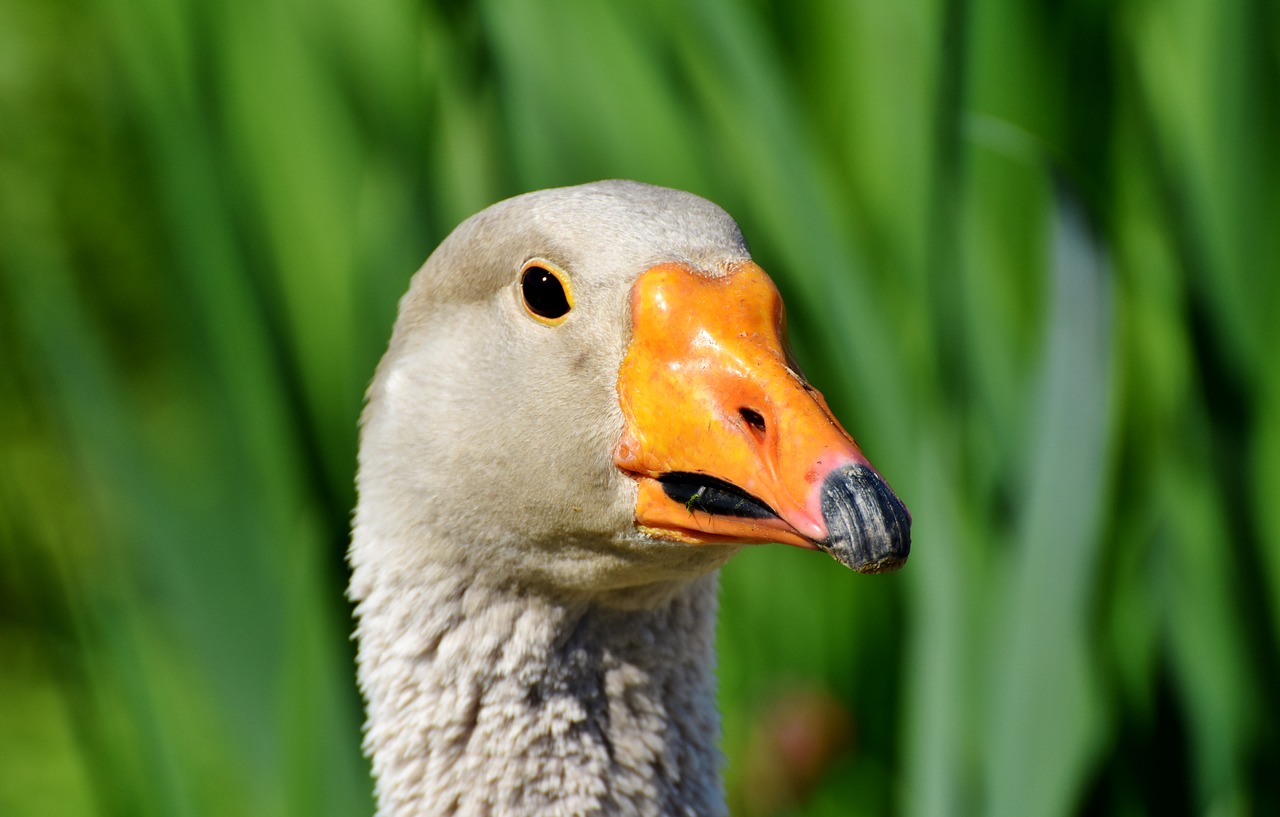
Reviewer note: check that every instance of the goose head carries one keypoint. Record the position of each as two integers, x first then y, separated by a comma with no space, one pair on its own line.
588,390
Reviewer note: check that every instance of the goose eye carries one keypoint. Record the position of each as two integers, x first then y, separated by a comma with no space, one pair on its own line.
544,292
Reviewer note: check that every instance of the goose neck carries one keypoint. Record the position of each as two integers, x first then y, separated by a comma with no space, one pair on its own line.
489,698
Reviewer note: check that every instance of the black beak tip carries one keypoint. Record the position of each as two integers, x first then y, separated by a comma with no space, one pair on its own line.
869,529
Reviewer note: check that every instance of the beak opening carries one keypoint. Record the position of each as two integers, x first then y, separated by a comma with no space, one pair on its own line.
868,527
700,492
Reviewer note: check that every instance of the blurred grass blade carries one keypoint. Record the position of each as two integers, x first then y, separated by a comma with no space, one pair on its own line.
1044,710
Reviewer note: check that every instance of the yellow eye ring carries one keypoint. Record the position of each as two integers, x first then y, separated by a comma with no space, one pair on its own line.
545,291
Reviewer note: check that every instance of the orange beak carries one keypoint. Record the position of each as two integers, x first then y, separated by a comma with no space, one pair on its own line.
726,439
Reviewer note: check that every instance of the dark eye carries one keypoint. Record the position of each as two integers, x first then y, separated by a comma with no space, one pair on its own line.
544,293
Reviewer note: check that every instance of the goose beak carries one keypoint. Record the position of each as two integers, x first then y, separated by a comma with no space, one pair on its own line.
727,441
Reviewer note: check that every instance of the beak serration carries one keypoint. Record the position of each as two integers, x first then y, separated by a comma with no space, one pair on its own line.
869,529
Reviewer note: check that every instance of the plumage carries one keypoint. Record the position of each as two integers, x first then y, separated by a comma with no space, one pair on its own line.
531,640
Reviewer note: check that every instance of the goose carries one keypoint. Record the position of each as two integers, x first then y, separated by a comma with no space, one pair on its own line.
587,406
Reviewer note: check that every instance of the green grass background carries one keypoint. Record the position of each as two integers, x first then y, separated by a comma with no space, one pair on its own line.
1031,253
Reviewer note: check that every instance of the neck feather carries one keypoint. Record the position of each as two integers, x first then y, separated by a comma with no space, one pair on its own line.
492,699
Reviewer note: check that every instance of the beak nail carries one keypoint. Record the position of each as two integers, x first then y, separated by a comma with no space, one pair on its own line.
869,529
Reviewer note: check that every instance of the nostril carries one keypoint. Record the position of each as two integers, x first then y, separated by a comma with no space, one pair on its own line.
753,420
